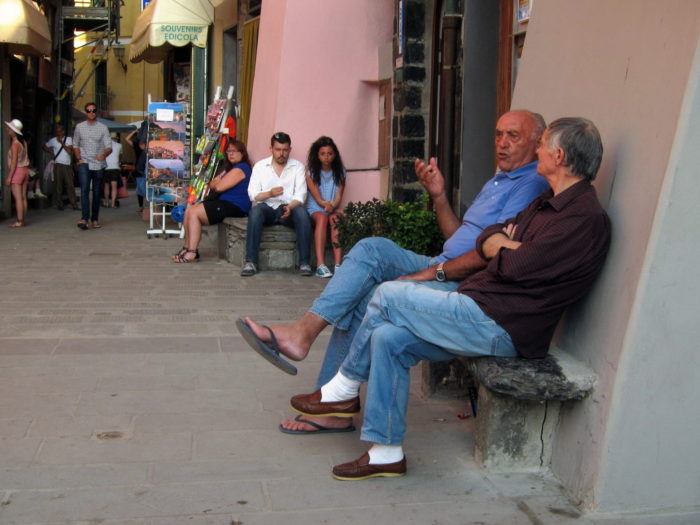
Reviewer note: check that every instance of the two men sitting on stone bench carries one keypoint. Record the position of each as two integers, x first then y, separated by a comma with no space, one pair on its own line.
521,277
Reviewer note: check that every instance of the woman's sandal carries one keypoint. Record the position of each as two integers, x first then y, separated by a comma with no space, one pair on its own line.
17,224
180,257
182,251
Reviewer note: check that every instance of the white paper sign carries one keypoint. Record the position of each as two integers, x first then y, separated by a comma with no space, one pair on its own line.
165,115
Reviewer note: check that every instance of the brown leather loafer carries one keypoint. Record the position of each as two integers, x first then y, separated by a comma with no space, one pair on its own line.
311,405
361,469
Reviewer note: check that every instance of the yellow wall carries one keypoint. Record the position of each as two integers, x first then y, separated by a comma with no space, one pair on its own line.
225,17
129,88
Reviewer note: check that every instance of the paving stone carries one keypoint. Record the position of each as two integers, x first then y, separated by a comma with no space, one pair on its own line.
58,426
129,449
134,501
14,451
28,346
14,428
39,477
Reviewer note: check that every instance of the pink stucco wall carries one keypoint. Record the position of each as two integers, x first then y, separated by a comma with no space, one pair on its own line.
315,65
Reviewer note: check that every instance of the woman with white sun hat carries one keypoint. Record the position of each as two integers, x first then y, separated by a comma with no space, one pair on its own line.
17,170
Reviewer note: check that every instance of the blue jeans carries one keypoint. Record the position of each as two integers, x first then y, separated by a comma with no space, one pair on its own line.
263,215
343,302
85,177
407,322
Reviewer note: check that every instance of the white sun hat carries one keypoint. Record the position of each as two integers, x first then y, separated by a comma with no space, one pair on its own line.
15,125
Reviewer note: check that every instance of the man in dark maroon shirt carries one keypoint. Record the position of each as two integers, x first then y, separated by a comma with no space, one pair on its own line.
524,273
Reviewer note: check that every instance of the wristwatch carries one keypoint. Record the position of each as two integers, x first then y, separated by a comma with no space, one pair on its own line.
440,273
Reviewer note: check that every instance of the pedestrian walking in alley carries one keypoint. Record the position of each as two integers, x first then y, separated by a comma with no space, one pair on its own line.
17,176
113,173
138,139
91,145
61,148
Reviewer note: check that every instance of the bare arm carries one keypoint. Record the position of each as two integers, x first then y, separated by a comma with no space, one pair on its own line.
456,269
431,178
227,180
272,192
495,242
335,204
313,189
12,165
104,154
130,138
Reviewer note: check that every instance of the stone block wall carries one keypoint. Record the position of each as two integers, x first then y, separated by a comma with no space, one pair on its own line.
411,98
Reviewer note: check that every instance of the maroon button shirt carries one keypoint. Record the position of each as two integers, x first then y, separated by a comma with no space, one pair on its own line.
565,239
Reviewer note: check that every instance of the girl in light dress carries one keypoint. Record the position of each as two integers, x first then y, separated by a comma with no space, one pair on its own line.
326,181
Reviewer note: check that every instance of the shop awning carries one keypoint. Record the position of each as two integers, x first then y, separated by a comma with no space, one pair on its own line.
24,28
166,23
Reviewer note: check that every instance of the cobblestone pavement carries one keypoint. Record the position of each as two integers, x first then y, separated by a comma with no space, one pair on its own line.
127,397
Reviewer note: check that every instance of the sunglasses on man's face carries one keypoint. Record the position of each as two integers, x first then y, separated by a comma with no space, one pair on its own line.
90,111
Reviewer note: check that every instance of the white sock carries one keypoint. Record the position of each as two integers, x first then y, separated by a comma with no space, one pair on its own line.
340,388
383,454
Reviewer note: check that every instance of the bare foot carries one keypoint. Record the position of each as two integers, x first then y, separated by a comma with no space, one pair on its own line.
324,421
294,339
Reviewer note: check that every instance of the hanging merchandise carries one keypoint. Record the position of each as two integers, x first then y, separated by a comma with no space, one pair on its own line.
220,127
168,163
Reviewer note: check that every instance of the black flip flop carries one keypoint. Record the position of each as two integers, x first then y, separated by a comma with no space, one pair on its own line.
320,429
270,351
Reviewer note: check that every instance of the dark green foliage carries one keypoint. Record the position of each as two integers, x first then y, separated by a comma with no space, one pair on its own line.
409,224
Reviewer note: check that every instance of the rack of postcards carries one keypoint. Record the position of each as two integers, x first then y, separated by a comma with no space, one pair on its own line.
168,165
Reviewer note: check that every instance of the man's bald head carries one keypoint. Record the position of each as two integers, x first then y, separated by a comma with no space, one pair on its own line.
517,135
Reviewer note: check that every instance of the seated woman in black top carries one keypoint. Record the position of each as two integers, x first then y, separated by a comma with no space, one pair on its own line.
231,200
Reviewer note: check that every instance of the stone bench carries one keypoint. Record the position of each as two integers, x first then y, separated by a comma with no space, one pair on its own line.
518,407
278,250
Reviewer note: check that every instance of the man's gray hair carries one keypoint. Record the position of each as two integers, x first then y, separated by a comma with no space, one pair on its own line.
540,125
580,140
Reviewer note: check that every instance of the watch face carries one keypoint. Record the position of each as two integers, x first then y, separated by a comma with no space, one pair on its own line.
440,275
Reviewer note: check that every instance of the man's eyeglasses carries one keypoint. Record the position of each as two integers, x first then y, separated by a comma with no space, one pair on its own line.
90,111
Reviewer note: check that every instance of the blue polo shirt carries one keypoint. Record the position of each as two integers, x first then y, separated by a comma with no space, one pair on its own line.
501,198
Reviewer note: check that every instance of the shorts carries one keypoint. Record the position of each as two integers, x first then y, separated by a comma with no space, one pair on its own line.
111,176
20,176
218,210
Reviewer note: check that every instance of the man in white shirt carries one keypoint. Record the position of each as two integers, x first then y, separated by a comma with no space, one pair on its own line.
277,190
61,149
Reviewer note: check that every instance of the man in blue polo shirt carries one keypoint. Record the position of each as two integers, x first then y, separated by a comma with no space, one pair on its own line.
375,260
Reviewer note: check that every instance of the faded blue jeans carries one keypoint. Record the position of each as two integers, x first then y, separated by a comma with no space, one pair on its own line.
343,302
263,215
405,323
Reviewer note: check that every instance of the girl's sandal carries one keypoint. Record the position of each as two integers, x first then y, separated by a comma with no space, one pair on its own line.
17,224
182,257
